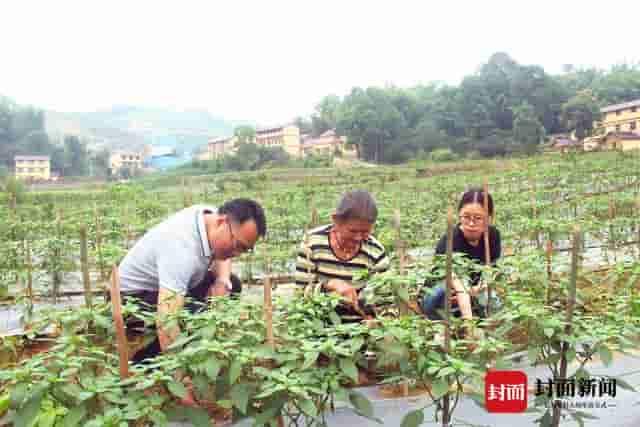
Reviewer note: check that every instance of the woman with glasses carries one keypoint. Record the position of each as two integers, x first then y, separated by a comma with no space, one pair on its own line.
468,239
332,254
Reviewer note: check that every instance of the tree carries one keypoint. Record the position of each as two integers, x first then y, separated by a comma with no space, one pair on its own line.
36,142
304,125
100,163
245,134
326,115
527,129
76,157
579,113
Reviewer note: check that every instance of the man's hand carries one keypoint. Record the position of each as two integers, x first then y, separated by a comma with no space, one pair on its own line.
343,288
220,288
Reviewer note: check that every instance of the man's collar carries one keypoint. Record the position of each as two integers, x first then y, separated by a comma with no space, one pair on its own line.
207,250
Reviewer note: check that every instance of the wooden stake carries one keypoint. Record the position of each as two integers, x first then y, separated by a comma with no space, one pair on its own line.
487,247
314,213
403,309
98,227
447,309
29,278
549,270
116,310
307,248
555,421
57,255
84,261
638,216
268,305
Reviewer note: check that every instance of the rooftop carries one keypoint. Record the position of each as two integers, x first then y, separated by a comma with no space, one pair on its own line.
622,106
21,158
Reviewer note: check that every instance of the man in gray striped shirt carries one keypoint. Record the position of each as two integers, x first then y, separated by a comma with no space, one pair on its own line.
189,255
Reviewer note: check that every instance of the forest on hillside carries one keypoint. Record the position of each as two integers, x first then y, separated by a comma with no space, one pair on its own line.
502,108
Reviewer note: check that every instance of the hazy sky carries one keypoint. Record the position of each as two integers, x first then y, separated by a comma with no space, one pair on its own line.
268,61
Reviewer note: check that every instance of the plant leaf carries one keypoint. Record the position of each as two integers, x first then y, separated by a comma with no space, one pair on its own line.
198,417
240,397
310,359
361,403
74,416
159,419
439,388
17,395
27,415
5,401
413,419
308,407
177,389
605,355
212,368
234,371
349,369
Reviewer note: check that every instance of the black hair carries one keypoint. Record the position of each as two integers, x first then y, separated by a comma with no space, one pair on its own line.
357,204
476,195
243,210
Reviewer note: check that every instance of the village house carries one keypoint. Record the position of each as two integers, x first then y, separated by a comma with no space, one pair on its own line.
287,137
328,143
33,168
218,147
121,159
623,117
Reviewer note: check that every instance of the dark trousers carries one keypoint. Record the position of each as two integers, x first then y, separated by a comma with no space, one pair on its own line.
196,296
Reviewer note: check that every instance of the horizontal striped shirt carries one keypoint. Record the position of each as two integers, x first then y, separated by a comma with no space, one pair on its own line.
316,261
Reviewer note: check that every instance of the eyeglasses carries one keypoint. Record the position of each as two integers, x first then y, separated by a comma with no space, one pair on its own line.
472,219
238,247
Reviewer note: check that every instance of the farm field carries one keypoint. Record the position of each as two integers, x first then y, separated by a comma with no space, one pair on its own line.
568,282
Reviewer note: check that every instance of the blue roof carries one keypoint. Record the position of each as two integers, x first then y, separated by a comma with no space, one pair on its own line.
166,162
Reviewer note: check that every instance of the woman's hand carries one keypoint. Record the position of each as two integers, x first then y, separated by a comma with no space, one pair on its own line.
189,399
344,289
478,289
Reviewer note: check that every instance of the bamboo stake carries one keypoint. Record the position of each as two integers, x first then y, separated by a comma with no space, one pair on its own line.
487,247
534,205
555,421
98,241
12,203
402,305
314,213
307,249
612,240
116,310
447,310
29,278
268,305
549,270
638,216
57,255
84,261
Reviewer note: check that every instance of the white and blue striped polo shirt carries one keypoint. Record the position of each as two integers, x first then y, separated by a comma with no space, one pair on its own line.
174,254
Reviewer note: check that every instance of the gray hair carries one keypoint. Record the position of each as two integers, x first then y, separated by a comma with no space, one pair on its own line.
357,204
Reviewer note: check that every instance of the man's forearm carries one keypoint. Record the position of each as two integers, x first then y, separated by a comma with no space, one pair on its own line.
169,303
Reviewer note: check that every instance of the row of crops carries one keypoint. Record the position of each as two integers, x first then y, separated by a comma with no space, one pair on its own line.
545,209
